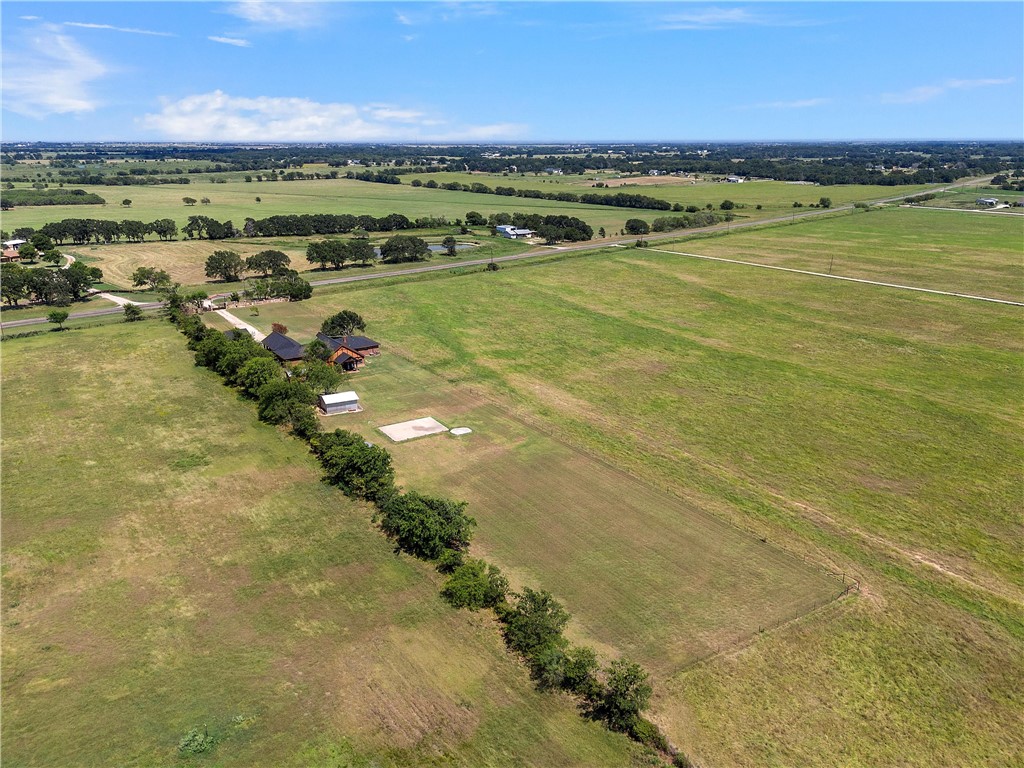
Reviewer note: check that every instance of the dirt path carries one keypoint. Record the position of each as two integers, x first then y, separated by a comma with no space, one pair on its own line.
241,324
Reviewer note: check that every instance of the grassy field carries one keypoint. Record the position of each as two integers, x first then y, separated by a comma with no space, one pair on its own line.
236,200
170,564
873,430
943,250
184,260
773,196
644,574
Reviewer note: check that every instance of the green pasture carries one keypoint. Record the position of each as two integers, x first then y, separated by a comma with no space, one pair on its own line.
236,200
873,430
643,573
172,564
774,196
941,250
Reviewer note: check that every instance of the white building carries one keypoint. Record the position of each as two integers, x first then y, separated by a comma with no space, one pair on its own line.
512,232
339,402
987,201
13,244
735,179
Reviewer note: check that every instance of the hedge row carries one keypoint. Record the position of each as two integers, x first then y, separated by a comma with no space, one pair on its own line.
438,530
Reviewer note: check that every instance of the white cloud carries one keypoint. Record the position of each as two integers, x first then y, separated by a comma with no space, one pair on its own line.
217,116
85,25
49,73
795,104
237,41
923,93
29,18
445,13
279,15
720,18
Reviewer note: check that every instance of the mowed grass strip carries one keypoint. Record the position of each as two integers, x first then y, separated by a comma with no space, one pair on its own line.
644,574
170,564
941,250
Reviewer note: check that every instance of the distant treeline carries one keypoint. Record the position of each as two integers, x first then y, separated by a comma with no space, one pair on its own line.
883,163
116,180
617,200
58,196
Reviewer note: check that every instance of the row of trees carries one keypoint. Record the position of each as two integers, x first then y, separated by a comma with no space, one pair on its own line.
82,231
431,528
617,200
12,197
56,287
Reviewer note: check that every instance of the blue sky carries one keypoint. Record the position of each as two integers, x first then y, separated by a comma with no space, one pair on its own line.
502,71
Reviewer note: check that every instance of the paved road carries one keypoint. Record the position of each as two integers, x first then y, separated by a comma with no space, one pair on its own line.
537,252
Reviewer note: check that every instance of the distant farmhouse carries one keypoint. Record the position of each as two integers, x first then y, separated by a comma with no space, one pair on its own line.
346,352
513,233
987,201
735,179
10,251
349,352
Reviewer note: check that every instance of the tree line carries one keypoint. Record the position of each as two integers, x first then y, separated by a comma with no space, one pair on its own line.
617,200
431,528
82,231
12,197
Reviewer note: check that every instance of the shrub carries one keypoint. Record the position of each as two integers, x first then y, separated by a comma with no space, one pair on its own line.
475,585
360,470
281,400
533,622
647,733
196,742
627,693
425,526
132,313
450,559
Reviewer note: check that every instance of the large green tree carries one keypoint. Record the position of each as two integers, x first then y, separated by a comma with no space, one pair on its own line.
155,279
268,262
342,324
14,284
425,526
226,265
403,248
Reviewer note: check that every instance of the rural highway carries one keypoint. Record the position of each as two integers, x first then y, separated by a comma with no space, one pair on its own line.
535,253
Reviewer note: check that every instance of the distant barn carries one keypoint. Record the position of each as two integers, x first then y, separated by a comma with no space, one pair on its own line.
339,402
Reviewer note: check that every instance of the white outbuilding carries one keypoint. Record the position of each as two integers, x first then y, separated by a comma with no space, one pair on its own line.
339,402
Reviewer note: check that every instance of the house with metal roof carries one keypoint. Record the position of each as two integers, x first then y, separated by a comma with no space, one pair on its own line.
285,348
349,352
513,233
